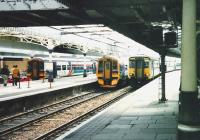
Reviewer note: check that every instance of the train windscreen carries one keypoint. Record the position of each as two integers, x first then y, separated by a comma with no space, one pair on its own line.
146,64
114,66
100,67
132,64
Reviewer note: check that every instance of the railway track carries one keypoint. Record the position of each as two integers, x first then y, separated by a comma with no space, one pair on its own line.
11,124
53,134
47,122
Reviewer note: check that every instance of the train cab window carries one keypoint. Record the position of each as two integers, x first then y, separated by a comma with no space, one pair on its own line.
63,67
100,67
146,64
114,66
58,67
132,64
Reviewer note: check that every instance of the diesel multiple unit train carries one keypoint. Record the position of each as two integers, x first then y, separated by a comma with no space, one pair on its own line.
112,71
37,70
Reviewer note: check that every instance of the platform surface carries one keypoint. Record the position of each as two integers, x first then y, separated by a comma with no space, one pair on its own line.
138,116
38,86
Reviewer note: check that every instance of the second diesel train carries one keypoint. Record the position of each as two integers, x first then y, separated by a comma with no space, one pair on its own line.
144,68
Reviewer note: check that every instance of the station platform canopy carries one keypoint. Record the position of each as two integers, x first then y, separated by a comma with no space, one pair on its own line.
133,18
92,40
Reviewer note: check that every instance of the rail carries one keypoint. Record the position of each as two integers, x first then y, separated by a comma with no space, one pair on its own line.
41,113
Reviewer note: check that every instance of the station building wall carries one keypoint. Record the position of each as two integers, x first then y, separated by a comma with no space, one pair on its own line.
20,62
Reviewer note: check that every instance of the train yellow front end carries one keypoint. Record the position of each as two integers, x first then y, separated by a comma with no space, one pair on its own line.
139,69
108,72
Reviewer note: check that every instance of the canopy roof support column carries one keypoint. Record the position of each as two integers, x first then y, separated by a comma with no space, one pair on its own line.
188,107
1,62
85,67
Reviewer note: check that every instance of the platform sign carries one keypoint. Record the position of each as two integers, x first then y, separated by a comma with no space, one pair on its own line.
170,39
48,66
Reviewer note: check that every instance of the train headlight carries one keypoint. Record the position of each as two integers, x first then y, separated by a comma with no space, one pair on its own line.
146,74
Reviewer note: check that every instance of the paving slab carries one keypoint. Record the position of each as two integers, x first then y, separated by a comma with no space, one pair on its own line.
138,116
38,86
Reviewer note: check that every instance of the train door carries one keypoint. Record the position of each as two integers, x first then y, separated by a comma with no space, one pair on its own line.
152,68
139,69
107,70
59,67
69,69
35,70
64,69
132,67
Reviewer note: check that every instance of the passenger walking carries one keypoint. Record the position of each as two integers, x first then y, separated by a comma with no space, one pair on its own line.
5,74
15,75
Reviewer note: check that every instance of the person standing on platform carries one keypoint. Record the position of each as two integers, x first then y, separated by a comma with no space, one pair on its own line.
5,74
15,75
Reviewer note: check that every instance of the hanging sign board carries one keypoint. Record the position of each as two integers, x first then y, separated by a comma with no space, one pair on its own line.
48,66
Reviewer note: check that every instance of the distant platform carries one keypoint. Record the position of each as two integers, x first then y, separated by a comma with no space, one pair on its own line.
38,86
138,116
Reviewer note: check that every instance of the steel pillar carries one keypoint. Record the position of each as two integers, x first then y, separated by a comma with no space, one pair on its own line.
50,55
188,106
163,70
50,70
85,67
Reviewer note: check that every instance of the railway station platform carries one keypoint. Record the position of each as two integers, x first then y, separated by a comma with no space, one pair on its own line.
138,116
38,86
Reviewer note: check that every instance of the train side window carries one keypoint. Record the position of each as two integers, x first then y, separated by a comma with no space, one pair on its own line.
58,67
63,67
